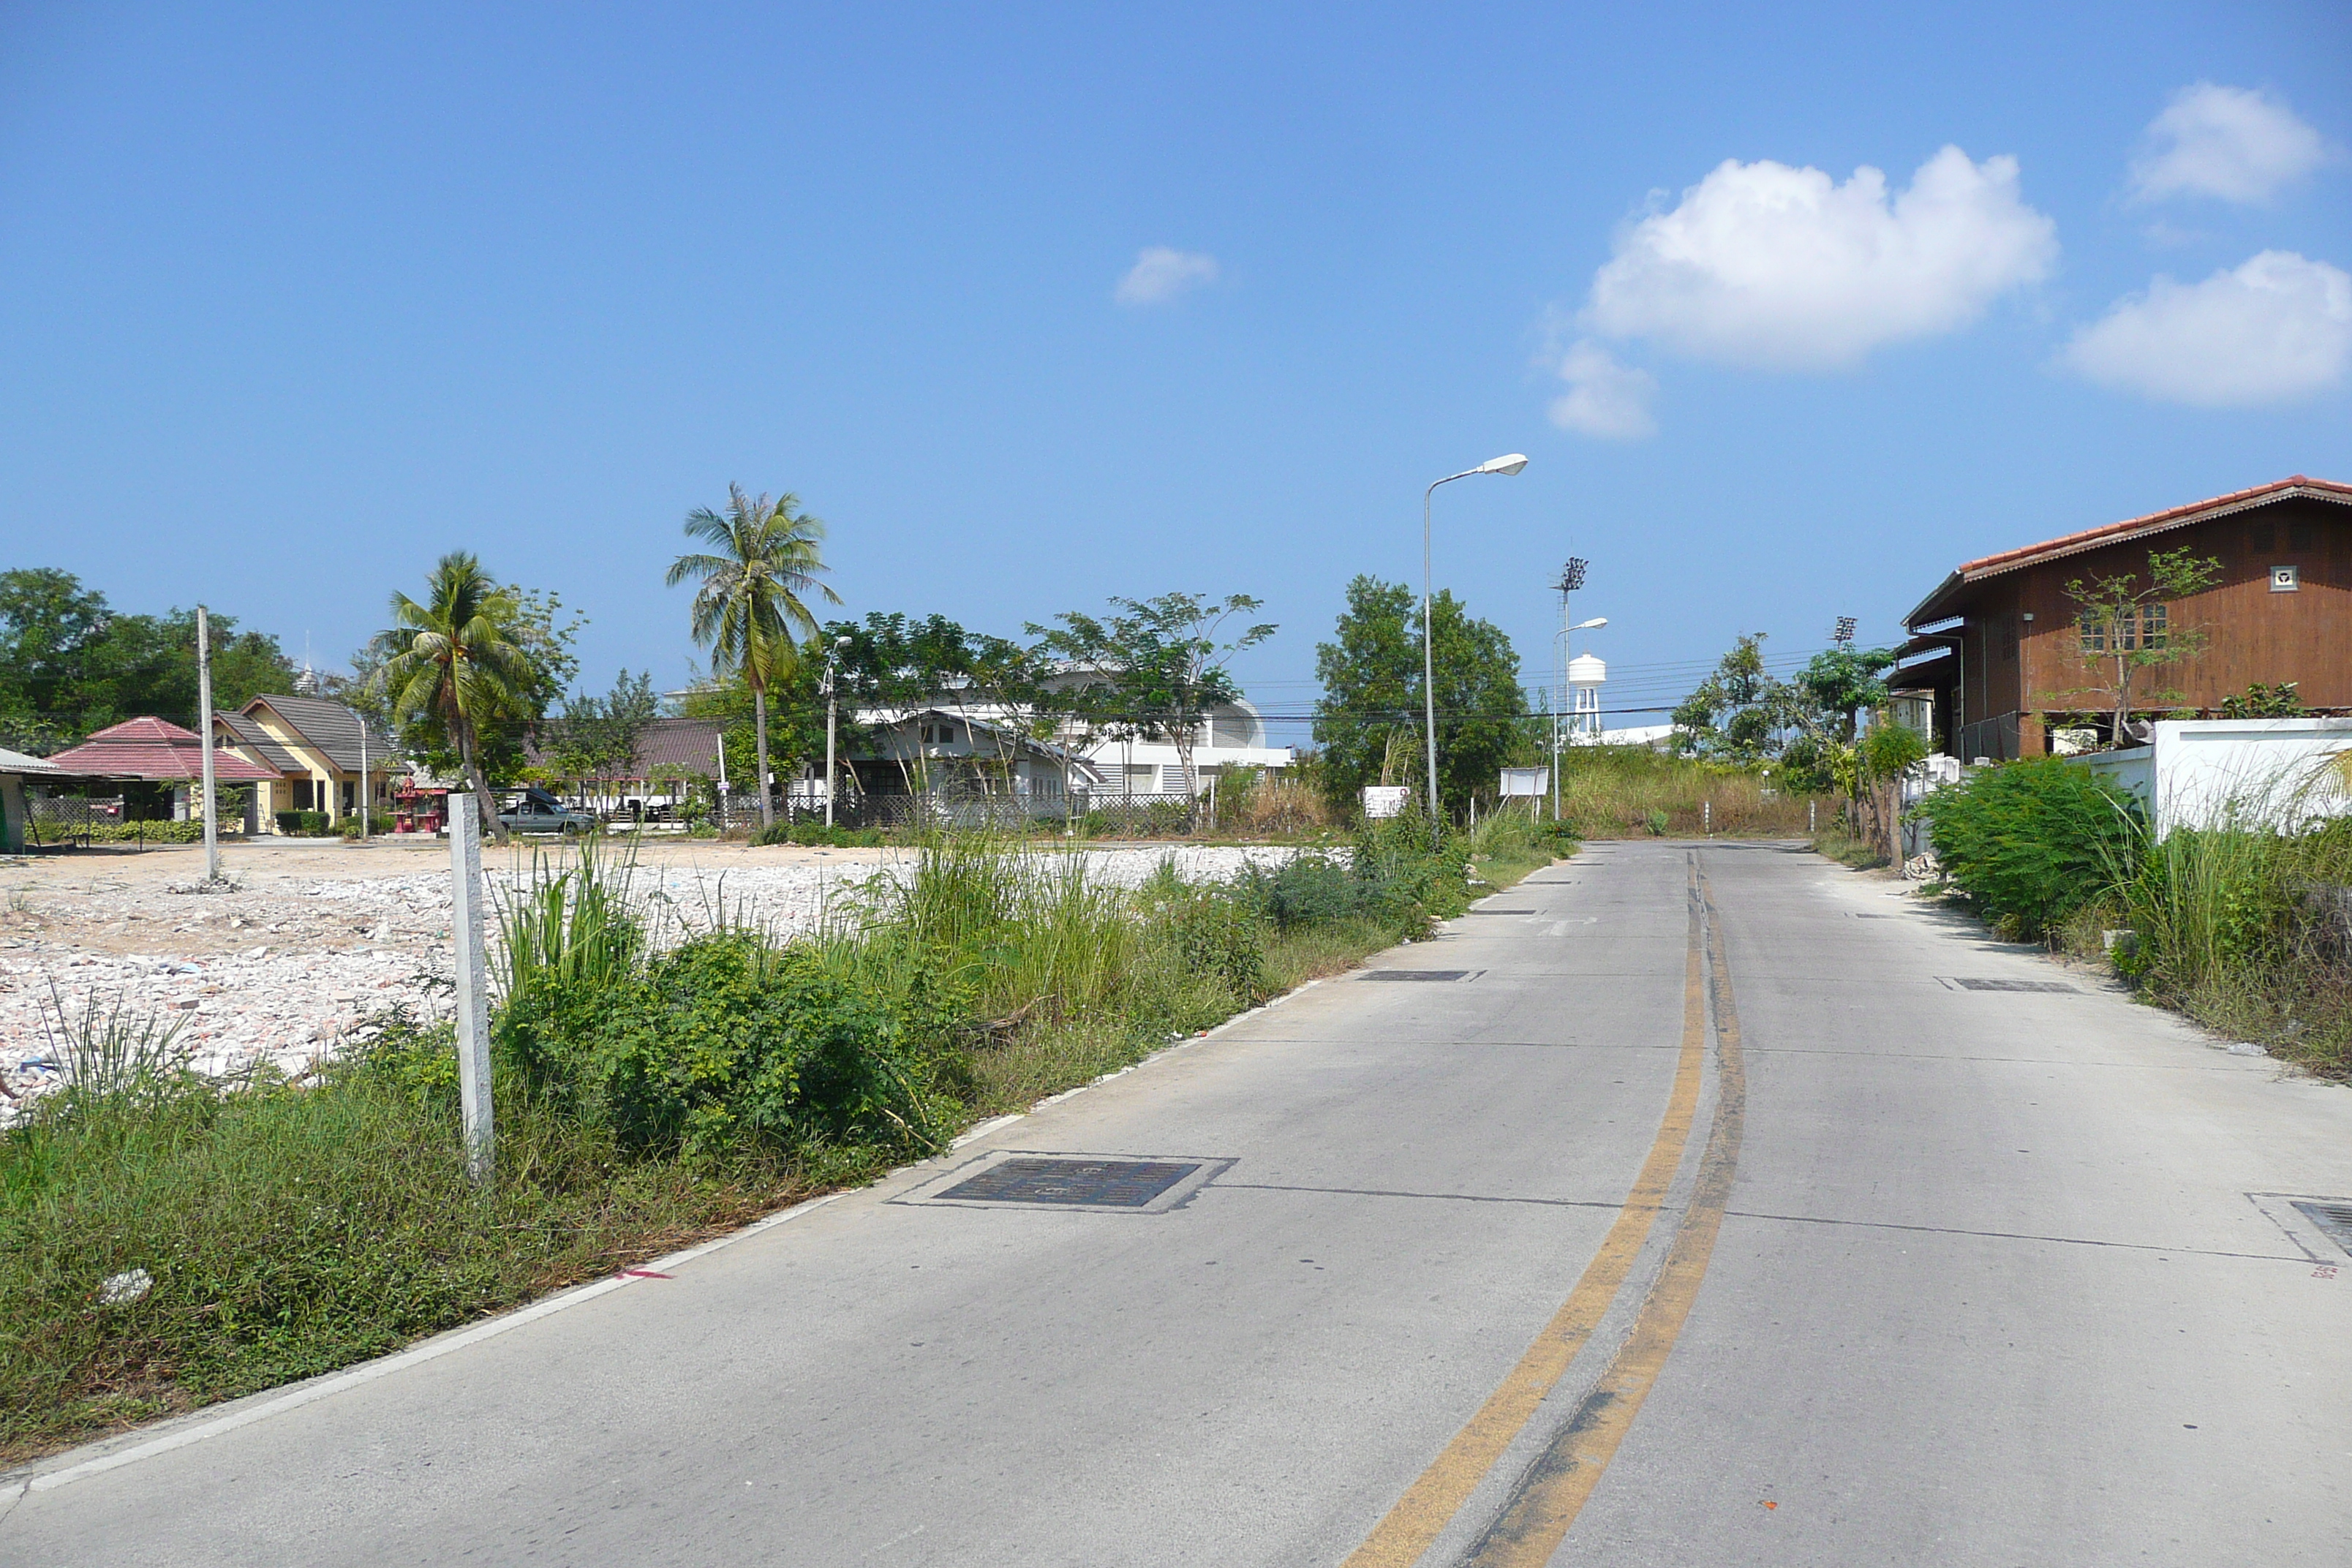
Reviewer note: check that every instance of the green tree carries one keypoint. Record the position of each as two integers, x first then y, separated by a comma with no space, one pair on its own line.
453,662
597,738
69,665
1836,685
1371,702
1822,702
2128,629
1151,670
895,662
1737,712
763,557
47,622
536,624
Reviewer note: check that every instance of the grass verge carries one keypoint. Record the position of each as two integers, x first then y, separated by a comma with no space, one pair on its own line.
1847,850
166,1241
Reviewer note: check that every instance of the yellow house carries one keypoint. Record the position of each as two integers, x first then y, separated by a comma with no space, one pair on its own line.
317,746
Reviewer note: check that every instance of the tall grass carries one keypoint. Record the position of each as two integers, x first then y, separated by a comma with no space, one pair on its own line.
1630,792
572,924
2244,922
647,1094
2247,931
291,1230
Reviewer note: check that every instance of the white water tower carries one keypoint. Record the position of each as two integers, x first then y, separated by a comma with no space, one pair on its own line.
1586,676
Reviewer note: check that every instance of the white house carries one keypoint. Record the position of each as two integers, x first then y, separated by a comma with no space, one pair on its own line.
973,746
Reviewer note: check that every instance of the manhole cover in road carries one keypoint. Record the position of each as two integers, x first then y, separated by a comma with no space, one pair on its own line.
2334,1220
1421,973
1099,1184
1983,983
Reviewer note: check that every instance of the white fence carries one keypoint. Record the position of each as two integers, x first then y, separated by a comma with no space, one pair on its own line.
2278,773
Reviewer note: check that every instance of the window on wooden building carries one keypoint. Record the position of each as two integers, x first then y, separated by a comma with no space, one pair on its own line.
2128,630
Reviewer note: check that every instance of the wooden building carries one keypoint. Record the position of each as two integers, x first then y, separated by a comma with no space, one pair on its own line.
1999,649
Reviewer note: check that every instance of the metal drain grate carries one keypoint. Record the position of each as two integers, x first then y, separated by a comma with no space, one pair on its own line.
1420,973
2333,1219
1502,912
1096,1183
1982,983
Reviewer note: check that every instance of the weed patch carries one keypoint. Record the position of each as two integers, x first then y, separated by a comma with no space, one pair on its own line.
645,1100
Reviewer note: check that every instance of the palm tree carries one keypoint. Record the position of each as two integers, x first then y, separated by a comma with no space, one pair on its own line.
763,557
454,657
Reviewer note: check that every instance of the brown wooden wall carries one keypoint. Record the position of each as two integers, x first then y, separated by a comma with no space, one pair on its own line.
2252,633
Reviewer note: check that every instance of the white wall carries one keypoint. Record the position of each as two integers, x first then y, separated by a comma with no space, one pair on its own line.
2213,772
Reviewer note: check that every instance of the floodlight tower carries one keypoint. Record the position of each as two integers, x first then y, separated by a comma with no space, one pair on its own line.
1571,578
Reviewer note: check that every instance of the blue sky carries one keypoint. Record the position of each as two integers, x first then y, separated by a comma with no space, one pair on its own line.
292,299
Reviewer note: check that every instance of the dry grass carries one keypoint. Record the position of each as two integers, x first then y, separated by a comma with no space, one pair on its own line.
1630,792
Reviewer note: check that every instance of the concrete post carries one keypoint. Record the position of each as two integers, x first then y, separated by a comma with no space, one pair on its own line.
473,988
204,728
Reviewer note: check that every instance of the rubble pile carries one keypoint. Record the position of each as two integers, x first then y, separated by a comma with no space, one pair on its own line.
279,966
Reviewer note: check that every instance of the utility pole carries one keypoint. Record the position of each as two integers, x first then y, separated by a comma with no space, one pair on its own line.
204,724
366,801
832,707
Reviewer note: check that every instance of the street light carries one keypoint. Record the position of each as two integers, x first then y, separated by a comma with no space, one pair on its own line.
1509,463
1561,648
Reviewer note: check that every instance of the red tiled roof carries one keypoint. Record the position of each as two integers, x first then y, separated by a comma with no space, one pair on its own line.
152,748
2195,511
2115,532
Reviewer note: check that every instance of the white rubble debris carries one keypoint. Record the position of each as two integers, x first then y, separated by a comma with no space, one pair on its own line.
281,969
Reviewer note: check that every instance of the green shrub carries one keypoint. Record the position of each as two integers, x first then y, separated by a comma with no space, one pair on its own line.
1305,890
817,833
725,1042
2028,842
191,832
289,1231
303,824
1221,937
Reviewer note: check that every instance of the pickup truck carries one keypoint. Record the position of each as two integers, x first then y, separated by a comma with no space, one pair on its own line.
540,813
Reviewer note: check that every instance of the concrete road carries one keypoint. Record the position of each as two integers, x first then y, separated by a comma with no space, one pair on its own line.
1722,1207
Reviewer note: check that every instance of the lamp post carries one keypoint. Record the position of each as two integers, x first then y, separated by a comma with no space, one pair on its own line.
832,658
1564,648
1510,463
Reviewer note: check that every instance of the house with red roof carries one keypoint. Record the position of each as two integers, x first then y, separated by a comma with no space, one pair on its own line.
2004,656
158,752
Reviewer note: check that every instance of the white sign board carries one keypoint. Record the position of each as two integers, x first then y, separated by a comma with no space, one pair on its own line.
1385,800
1524,782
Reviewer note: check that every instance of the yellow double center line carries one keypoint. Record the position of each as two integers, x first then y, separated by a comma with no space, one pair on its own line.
1548,1496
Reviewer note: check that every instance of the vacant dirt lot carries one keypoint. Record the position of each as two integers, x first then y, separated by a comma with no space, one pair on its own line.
313,937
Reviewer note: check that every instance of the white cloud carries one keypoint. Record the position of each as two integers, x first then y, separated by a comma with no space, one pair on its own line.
2225,142
1604,399
1160,274
1763,264
2276,328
